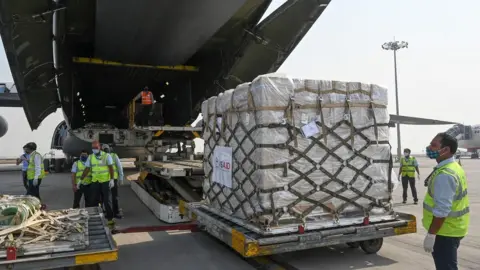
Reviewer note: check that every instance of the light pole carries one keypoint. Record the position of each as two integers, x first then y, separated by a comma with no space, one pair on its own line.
395,46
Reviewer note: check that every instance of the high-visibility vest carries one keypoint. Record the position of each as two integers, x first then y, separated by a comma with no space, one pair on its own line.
31,166
80,168
408,166
457,221
100,172
115,168
147,98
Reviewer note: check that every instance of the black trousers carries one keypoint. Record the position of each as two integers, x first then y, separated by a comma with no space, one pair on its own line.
409,180
25,180
145,115
114,190
84,191
445,252
101,193
34,190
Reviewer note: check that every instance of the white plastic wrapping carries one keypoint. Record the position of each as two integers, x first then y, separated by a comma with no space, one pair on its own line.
270,99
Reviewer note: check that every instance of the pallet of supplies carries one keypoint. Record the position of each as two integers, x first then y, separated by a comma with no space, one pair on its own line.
284,151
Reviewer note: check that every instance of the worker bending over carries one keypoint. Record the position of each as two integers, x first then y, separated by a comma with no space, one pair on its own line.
446,209
408,166
147,105
24,160
100,164
118,176
81,188
35,170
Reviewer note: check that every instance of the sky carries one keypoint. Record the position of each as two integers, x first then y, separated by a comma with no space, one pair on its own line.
435,73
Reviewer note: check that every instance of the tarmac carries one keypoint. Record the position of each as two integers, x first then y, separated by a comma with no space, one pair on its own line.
186,250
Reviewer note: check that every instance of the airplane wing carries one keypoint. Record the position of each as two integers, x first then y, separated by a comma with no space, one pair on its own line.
408,120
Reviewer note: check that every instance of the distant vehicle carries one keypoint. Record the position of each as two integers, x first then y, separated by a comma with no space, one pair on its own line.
463,153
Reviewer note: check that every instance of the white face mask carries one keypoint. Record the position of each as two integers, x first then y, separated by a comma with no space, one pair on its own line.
95,151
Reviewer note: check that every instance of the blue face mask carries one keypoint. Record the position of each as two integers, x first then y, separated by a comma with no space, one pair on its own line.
96,151
84,158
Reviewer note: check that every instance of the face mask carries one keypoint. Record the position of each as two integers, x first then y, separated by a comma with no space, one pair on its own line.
83,158
96,151
433,154
406,154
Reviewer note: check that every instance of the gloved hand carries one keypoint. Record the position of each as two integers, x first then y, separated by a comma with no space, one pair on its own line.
35,182
429,242
79,184
418,176
111,183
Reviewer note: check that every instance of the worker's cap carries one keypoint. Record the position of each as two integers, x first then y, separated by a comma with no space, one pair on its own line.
146,87
406,150
105,147
31,146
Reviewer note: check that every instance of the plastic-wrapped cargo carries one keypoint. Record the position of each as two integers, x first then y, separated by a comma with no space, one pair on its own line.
302,151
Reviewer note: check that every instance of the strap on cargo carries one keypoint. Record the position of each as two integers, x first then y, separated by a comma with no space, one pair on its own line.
348,116
372,114
320,113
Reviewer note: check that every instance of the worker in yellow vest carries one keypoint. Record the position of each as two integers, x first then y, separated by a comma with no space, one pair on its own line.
100,164
408,166
81,188
147,105
35,170
118,176
446,209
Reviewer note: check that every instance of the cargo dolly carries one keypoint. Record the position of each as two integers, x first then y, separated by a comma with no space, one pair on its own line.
368,236
101,248
163,183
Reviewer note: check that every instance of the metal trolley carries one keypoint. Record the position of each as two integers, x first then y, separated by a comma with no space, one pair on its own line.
248,243
101,248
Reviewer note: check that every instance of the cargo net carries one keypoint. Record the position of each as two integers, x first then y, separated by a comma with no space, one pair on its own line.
302,150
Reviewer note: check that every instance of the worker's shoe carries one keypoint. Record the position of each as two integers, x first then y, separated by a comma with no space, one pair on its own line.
415,202
111,224
118,216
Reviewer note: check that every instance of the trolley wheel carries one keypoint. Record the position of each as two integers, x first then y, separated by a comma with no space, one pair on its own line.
353,244
371,246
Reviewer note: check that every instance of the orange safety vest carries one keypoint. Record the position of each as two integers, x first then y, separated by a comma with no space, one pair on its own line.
147,98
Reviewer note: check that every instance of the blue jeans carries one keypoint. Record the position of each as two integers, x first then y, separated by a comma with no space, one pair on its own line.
445,252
